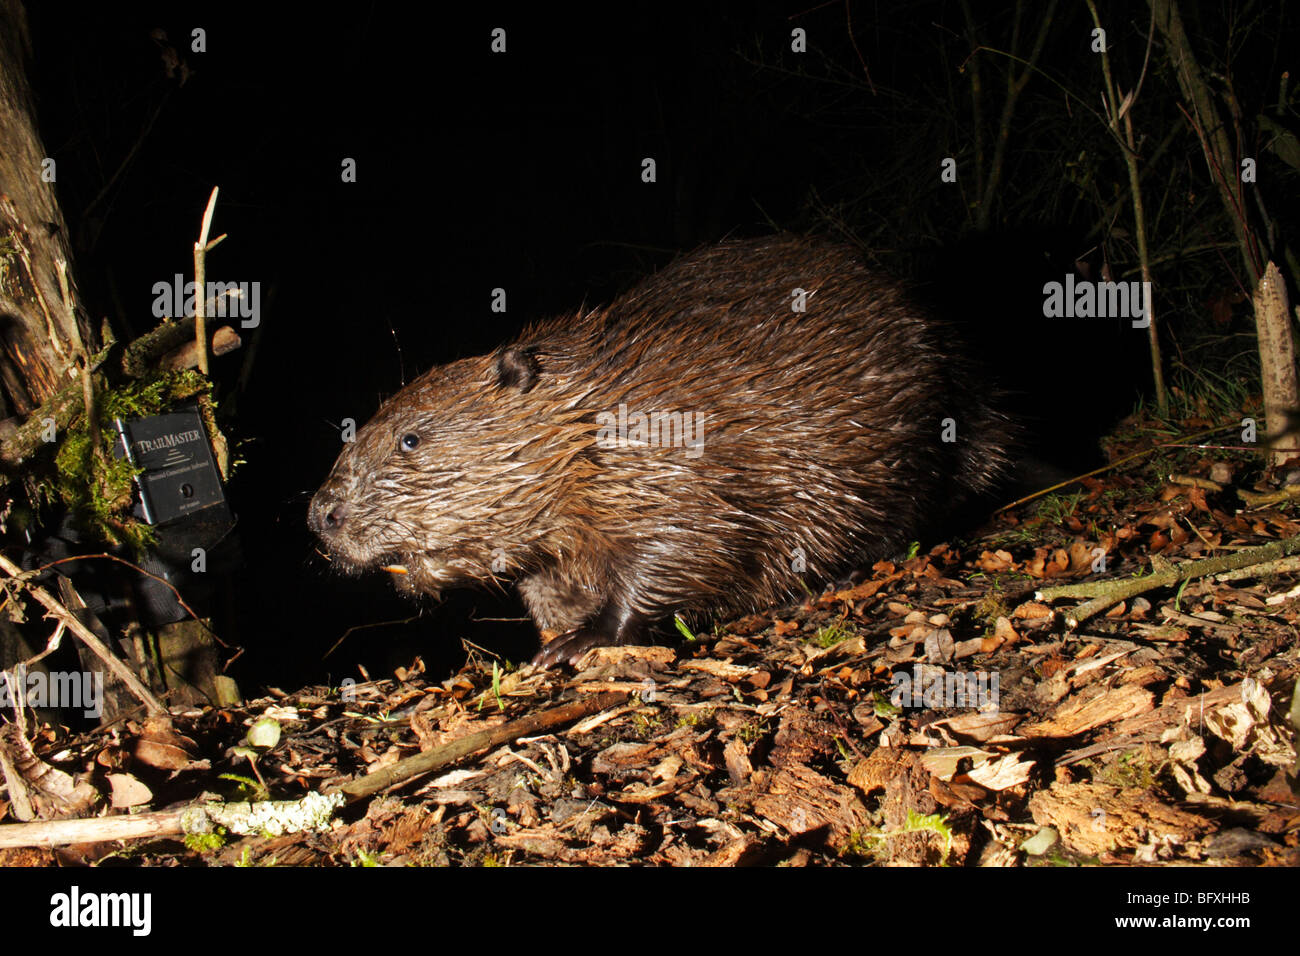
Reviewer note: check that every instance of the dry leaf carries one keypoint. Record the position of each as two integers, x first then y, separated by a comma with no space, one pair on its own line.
1003,773
128,791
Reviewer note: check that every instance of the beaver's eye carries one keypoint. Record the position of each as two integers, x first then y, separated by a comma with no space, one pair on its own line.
410,441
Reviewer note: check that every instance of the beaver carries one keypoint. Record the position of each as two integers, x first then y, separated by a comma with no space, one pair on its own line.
757,415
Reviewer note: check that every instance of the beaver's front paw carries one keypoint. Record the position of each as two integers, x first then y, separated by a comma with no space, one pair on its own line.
569,648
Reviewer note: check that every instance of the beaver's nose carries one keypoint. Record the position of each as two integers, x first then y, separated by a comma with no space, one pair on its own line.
326,515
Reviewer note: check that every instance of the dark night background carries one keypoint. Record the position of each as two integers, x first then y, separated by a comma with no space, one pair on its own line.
522,171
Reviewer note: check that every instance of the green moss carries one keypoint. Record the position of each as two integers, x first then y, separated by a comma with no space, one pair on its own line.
97,488
647,725
696,718
205,843
1136,769
861,843
246,859
991,607
150,396
246,788
882,707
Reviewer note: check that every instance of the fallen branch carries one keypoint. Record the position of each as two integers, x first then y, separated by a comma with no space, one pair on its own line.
1106,594
1280,566
438,757
1255,499
312,812
288,816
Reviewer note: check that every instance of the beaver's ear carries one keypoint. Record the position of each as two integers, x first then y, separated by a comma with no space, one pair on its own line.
517,367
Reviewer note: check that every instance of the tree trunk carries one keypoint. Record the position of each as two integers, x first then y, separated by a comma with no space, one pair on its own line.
39,339
1277,368
1212,131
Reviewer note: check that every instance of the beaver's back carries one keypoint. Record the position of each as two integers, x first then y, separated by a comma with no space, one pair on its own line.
826,424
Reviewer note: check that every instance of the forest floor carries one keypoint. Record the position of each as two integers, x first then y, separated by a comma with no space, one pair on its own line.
936,712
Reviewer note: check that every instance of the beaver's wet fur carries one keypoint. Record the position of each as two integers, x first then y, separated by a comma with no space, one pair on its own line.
819,440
